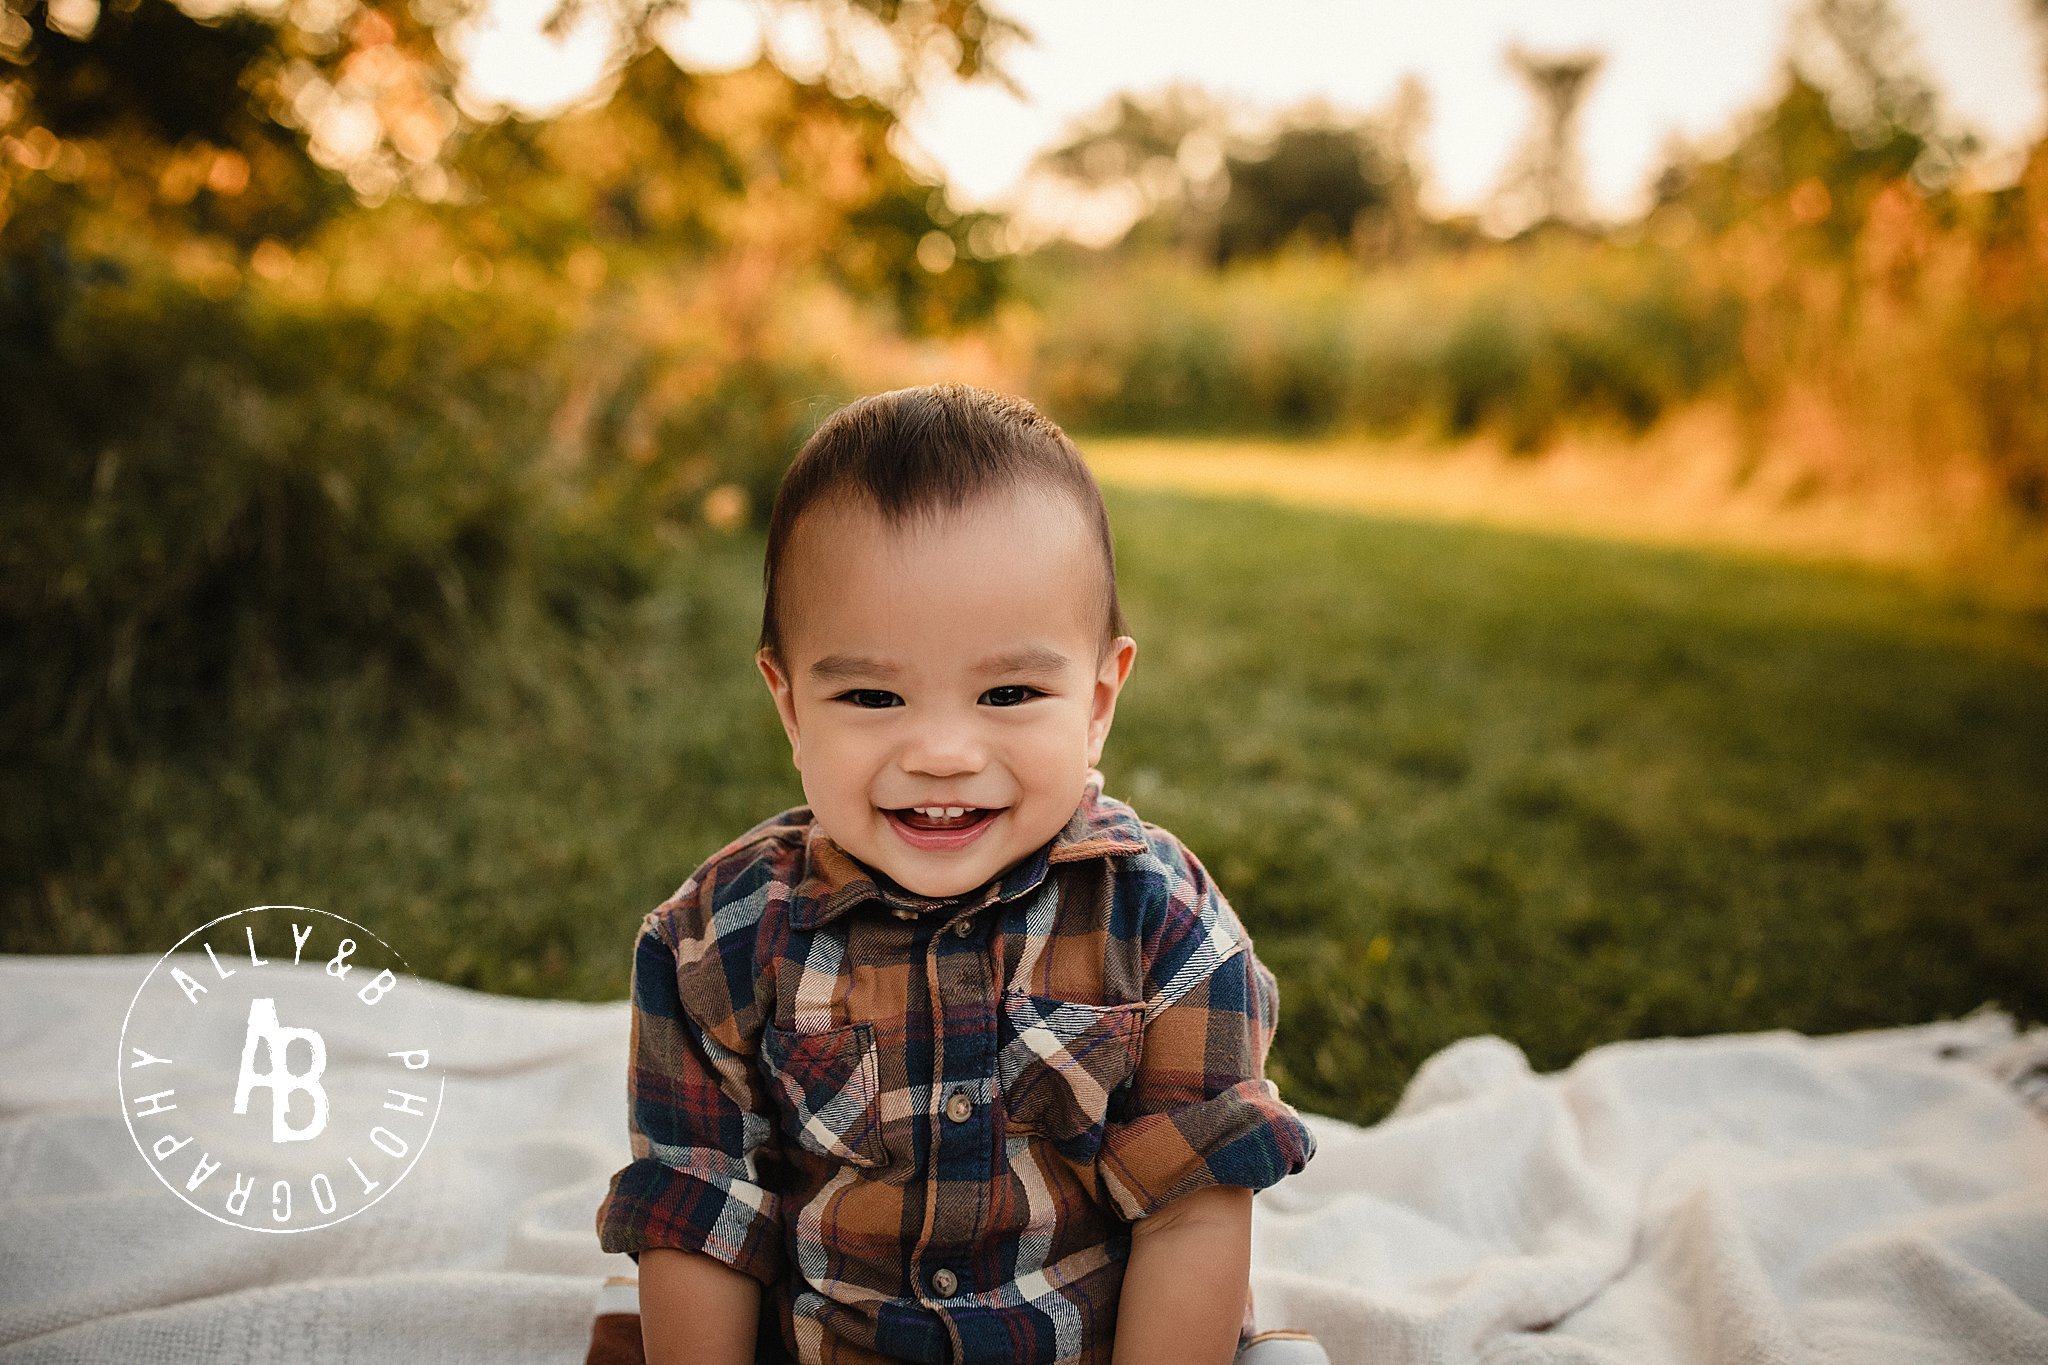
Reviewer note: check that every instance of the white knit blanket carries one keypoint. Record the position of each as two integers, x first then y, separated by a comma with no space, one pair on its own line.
1771,1198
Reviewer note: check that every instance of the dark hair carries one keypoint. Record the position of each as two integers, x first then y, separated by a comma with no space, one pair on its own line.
912,452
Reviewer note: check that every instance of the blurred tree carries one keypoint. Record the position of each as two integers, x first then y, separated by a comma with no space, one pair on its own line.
259,121
1854,115
676,165
1315,185
1860,52
1171,166
1546,179
1402,122
1152,162
240,124
1796,154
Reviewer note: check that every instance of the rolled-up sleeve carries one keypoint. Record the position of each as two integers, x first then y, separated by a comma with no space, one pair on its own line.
1200,1110
701,1131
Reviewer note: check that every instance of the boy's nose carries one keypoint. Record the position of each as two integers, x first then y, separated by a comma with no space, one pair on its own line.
943,751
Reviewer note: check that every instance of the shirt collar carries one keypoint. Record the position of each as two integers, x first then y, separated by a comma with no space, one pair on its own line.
835,881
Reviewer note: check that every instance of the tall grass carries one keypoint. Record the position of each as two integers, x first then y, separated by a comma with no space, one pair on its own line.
304,487
1522,341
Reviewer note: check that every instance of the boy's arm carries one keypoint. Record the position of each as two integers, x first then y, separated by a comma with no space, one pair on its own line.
1185,1285
697,1309
697,1204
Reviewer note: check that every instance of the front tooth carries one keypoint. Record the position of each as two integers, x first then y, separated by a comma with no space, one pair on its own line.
955,812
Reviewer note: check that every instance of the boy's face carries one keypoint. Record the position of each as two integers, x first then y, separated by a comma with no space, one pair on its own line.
944,682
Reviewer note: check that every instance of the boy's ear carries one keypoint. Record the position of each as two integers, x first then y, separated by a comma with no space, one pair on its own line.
1110,677
785,700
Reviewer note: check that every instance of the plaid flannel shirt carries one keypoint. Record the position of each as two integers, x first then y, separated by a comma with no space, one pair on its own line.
927,1125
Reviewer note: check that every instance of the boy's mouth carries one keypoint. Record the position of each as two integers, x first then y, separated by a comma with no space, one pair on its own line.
941,817
940,829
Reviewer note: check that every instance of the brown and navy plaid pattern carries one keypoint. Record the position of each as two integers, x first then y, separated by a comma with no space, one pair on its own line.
927,1125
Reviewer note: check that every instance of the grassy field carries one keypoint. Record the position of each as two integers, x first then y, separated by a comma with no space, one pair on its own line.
1692,481
1455,779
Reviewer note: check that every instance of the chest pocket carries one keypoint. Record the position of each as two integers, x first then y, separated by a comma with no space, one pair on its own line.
1059,1062
830,1085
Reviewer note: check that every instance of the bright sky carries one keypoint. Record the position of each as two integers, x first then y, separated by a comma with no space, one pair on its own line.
1673,66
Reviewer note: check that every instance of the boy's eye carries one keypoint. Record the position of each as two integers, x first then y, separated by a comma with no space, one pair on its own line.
871,697
1014,694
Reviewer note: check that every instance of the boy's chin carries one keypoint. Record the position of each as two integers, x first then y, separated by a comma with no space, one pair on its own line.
921,882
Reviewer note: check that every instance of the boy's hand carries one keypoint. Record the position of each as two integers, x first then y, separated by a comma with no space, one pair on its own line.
1184,1289
697,1309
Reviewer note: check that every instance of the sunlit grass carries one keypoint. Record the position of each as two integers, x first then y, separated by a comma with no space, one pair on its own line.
1455,779
1693,480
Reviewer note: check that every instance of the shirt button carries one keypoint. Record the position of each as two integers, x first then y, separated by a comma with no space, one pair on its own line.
959,1107
944,1282
964,928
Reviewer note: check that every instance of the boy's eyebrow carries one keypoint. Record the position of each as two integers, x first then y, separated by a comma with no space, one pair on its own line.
1030,659
841,666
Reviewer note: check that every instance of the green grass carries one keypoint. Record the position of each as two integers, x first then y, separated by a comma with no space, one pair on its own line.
1455,780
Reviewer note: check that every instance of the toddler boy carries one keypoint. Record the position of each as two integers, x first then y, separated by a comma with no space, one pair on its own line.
962,1061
